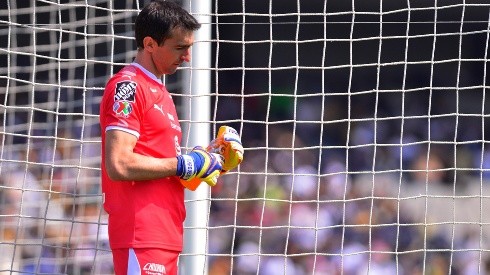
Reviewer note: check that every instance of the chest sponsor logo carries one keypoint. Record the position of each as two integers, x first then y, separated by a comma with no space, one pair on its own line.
125,91
170,117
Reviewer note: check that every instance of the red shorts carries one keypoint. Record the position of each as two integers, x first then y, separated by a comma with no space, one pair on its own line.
145,261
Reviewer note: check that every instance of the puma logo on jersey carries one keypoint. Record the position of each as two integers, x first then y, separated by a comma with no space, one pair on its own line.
153,90
158,108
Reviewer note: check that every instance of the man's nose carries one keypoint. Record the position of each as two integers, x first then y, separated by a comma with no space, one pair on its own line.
186,57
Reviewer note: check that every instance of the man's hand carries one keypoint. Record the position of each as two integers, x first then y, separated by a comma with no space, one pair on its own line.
199,165
229,145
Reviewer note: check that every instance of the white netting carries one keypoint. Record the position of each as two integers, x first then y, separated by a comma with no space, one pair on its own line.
56,57
364,124
365,128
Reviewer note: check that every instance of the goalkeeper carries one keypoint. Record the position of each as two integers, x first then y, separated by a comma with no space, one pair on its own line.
144,172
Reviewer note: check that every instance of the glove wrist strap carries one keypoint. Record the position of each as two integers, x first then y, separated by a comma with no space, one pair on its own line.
185,167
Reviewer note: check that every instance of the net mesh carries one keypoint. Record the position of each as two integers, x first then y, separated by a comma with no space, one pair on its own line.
364,124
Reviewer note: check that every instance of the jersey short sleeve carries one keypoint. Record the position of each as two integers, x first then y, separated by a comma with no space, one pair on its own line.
124,102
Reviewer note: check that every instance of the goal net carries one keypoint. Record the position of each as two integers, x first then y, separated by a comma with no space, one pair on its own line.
363,122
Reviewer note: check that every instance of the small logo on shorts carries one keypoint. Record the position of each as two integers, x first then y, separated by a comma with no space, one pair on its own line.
154,269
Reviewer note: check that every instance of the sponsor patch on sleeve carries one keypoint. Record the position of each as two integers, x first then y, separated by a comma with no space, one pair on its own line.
122,108
125,91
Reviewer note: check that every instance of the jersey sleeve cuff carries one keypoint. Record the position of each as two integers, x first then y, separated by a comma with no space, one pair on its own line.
129,131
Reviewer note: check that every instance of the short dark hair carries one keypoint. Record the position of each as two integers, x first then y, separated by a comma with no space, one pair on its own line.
159,18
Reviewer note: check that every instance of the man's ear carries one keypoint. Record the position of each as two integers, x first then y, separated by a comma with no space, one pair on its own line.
149,43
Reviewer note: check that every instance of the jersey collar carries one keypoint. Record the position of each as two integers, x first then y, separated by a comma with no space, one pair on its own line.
148,73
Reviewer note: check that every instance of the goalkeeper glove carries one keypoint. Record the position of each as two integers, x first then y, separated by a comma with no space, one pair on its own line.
228,144
199,165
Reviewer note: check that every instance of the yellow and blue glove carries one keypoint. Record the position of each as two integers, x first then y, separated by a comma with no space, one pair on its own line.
229,145
199,165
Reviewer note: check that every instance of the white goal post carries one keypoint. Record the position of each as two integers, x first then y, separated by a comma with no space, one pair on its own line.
365,127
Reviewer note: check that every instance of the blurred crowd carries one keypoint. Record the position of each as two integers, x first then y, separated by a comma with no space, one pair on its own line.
295,206
288,213
367,196
50,208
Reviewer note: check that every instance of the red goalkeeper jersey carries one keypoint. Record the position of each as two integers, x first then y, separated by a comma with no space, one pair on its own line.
143,213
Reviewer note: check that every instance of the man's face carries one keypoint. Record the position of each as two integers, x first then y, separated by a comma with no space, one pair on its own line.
175,50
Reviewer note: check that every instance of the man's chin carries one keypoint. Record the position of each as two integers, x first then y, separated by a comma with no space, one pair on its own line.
171,71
